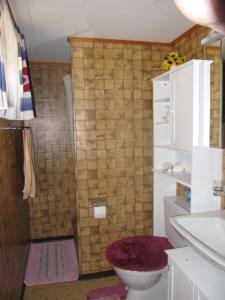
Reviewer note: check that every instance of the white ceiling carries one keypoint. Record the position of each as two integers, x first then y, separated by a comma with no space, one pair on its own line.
47,23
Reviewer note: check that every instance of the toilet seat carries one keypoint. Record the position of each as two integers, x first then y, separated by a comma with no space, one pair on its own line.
142,253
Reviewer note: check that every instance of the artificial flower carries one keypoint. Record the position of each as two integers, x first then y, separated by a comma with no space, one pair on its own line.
173,59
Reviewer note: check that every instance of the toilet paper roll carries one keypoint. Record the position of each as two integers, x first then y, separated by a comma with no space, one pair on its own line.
99,212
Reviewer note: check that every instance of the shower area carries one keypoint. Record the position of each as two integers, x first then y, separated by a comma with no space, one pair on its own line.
53,211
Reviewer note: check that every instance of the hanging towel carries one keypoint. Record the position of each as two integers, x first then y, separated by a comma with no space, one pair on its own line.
19,101
29,165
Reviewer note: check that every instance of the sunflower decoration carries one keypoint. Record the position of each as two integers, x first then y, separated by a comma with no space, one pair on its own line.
173,59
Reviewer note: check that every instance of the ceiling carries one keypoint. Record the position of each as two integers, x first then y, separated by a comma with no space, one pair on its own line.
47,23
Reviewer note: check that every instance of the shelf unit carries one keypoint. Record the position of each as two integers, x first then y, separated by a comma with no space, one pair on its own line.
197,165
163,100
183,178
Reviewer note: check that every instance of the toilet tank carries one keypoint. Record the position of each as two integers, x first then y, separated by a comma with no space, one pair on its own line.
172,209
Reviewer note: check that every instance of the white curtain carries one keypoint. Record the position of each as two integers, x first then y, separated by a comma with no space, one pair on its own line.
69,101
16,101
3,97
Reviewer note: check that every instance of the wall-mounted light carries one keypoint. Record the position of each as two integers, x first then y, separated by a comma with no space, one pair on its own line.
206,12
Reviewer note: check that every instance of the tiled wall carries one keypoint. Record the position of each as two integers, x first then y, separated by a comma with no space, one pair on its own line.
112,92
14,214
113,124
191,46
52,210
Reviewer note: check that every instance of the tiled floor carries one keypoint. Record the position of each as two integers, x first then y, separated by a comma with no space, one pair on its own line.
76,290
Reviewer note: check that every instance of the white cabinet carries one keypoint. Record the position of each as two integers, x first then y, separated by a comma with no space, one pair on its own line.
181,119
190,105
161,110
181,111
182,108
191,277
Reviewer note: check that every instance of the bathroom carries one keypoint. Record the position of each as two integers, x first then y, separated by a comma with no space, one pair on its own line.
96,145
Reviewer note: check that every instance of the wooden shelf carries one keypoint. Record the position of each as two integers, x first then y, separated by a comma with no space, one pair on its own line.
180,177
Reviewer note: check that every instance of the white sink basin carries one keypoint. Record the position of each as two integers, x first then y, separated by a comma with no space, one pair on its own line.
205,232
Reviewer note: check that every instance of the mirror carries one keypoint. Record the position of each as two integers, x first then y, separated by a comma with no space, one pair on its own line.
215,39
222,134
210,13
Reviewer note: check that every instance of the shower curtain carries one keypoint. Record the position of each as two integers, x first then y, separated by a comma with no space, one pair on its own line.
15,99
69,103
3,98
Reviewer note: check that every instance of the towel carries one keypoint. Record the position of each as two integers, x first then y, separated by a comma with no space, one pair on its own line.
29,165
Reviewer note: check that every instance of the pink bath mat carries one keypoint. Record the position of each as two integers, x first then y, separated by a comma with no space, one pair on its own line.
115,292
113,297
51,262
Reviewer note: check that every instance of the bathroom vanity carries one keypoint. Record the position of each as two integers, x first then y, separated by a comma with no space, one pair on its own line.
198,271
181,129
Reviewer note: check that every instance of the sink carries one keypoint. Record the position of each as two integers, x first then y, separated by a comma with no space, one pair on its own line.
209,231
205,232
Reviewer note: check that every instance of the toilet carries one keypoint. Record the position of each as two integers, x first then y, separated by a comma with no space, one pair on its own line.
141,261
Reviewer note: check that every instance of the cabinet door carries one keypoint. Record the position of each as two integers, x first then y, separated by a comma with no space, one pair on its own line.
180,286
182,108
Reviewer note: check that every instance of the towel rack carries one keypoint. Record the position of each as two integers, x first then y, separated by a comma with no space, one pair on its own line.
14,128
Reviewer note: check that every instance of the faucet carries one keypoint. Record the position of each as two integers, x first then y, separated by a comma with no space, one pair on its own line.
218,188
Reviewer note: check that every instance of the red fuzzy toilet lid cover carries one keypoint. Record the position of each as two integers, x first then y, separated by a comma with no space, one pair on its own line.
143,253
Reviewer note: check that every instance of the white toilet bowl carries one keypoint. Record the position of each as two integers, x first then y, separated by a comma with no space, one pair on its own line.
141,261
139,283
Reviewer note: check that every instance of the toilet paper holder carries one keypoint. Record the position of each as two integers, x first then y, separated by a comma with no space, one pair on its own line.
99,208
99,202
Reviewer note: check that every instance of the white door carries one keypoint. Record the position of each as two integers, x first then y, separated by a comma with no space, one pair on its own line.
182,108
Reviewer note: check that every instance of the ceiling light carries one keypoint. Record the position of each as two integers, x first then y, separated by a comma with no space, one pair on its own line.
199,11
205,12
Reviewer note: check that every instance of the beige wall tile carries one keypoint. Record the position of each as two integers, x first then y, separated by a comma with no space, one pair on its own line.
113,164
